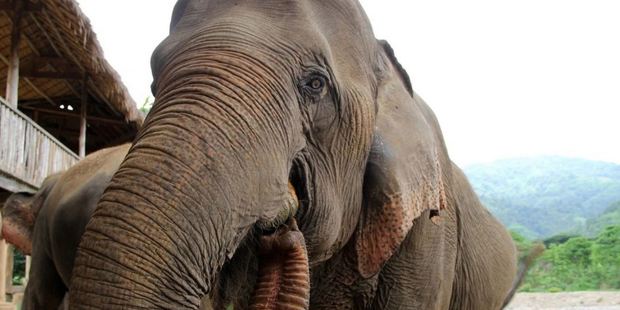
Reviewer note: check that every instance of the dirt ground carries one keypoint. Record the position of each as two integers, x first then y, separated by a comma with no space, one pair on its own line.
566,301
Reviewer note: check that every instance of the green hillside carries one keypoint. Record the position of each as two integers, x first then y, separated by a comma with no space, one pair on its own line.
575,264
610,217
543,196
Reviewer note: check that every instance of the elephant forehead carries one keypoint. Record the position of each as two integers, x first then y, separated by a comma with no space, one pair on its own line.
341,24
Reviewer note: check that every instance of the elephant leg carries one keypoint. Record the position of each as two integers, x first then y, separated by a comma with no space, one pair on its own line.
419,276
45,289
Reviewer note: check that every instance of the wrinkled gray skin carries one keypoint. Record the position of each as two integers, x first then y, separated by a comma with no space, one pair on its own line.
48,225
252,94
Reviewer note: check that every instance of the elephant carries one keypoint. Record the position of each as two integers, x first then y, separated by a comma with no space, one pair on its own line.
48,224
252,96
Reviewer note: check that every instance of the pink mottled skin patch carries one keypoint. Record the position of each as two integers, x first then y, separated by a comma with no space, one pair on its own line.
13,235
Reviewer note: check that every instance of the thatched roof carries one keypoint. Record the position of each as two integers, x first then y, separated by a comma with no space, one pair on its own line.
58,48
70,20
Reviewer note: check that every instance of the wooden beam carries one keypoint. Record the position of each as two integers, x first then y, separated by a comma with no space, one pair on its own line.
36,74
49,67
75,115
39,67
40,92
8,281
54,47
4,249
12,184
29,82
7,5
27,271
36,52
83,114
12,80
43,103
94,87
36,89
103,99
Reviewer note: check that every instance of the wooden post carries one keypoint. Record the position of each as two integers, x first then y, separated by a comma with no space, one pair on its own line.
27,271
12,81
6,269
83,123
3,262
8,281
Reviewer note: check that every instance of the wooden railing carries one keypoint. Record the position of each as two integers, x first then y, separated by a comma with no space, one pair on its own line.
10,295
28,153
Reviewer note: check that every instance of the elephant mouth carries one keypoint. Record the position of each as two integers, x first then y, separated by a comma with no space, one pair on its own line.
283,277
270,270
298,178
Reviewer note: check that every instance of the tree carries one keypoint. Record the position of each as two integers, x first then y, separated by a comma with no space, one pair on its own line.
606,258
147,105
577,264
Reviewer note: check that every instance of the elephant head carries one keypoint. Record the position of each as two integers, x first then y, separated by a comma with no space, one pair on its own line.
252,96
20,212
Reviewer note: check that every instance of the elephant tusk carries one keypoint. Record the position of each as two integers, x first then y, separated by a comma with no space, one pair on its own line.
292,201
435,217
285,214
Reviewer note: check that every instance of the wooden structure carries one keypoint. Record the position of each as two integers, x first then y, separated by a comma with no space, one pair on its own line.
28,152
62,99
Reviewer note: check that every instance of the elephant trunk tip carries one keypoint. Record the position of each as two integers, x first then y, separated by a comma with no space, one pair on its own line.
283,276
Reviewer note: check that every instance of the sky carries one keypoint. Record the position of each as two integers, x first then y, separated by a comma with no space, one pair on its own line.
505,78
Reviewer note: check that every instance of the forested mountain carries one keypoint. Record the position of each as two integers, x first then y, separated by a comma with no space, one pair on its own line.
542,196
594,226
575,264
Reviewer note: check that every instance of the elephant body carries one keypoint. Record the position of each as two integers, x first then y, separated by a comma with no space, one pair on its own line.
253,96
469,251
49,224
464,260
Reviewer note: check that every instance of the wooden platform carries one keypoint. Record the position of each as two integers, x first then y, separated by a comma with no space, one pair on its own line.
28,153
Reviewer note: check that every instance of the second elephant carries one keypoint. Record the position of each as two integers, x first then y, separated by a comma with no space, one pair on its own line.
49,224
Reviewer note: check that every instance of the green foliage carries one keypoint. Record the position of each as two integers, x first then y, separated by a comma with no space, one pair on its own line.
147,105
576,263
594,226
523,245
19,268
543,196
558,239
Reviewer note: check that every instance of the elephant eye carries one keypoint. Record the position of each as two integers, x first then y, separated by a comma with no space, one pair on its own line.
315,85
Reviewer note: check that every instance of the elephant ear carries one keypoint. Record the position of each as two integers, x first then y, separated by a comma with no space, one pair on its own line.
18,221
403,175
19,215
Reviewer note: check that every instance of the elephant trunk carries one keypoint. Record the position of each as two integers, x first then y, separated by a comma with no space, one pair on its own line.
283,276
153,241
206,166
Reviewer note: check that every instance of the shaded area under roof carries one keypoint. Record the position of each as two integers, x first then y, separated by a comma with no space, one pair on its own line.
59,53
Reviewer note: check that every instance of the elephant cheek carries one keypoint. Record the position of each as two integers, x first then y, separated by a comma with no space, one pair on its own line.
283,276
